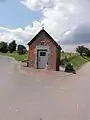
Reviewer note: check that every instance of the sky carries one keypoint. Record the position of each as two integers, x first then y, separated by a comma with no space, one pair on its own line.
67,21
13,14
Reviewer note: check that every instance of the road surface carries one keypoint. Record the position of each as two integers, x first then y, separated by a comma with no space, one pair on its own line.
36,95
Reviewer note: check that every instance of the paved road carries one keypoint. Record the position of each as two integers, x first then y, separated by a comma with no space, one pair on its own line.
31,95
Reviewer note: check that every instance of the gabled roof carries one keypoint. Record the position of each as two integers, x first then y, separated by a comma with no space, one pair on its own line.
46,35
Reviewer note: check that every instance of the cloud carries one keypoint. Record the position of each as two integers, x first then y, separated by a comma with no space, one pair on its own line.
60,17
22,36
37,4
79,35
66,20
72,47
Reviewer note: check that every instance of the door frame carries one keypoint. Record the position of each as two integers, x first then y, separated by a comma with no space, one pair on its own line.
37,56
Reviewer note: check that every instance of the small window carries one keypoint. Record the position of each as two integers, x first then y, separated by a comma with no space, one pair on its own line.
42,42
42,53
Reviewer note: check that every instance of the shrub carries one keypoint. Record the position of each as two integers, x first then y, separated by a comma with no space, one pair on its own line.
64,61
69,68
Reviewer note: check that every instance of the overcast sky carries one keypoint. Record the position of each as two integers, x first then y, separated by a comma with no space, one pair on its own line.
68,21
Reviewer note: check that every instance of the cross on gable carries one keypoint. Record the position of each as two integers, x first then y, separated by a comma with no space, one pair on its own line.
42,25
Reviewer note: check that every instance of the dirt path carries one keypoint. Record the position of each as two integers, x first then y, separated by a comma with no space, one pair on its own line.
31,95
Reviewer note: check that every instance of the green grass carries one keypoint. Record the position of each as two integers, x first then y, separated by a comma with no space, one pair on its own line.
78,61
16,56
68,55
75,59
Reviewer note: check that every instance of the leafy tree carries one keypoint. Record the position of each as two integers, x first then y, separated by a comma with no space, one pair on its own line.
21,49
87,52
80,49
83,51
12,46
3,47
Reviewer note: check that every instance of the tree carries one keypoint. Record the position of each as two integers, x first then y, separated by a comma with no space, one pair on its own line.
80,49
3,47
21,49
12,46
87,52
83,51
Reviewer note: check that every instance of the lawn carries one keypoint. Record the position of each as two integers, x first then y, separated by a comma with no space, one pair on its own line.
16,56
75,59
78,61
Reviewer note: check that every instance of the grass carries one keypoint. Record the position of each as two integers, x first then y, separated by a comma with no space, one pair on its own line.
63,55
75,59
16,56
78,61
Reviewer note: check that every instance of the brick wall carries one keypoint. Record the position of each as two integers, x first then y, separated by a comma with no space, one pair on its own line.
53,56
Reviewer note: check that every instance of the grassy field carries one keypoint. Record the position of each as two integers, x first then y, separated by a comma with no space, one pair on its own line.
16,56
78,61
75,59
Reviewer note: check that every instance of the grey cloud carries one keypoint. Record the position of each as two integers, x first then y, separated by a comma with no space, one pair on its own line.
79,36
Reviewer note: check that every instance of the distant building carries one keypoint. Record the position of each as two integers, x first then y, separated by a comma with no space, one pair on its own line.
44,52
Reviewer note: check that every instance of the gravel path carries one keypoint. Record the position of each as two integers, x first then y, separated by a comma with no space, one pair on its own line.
26,94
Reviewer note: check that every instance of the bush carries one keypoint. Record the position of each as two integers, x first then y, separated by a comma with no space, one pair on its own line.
21,49
69,68
64,61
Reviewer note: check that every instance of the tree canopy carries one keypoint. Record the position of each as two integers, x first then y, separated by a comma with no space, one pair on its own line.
21,49
83,51
12,46
3,47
